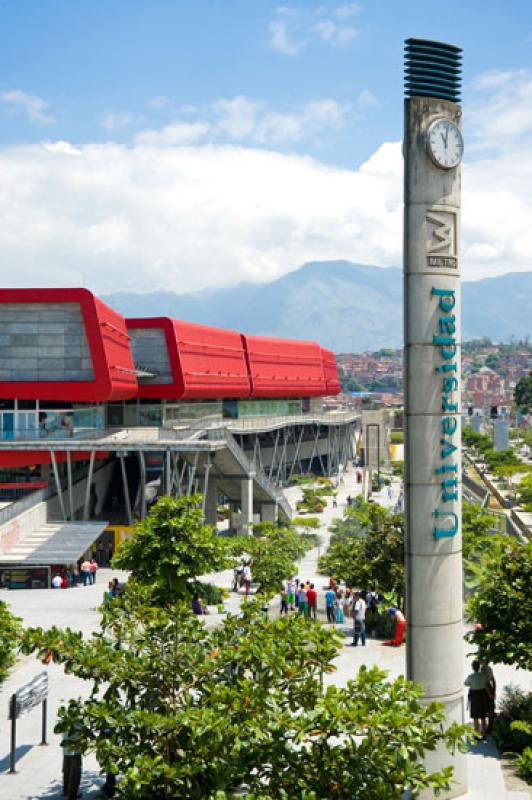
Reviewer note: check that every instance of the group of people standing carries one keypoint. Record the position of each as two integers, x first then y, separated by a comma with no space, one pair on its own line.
84,573
301,596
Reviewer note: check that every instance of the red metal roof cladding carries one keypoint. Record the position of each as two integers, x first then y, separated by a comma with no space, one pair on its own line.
330,371
284,367
206,362
112,373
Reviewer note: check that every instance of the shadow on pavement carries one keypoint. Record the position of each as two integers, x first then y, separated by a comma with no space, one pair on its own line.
91,787
20,752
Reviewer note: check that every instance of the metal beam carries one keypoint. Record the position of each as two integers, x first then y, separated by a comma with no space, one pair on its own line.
127,499
58,487
69,485
86,505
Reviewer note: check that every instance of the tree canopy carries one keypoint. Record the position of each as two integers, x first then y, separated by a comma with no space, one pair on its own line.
172,546
502,605
523,393
367,548
242,710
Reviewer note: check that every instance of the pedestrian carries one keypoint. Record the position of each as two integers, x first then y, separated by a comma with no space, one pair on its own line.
86,572
400,627
349,499
312,600
57,582
359,620
302,604
197,605
71,767
246,574
478,699
296,583
491,692
291,592
339,608
390,491
330,603
93,570
284,602
335,503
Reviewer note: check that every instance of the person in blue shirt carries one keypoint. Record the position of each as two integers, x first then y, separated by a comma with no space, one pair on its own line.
330,605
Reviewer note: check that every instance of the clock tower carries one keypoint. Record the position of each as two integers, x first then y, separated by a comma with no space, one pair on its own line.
433,149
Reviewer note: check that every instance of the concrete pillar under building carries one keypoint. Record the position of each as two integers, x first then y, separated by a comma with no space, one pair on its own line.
211,502
246,505
268,512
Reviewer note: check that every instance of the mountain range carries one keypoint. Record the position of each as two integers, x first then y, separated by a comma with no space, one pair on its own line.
345,306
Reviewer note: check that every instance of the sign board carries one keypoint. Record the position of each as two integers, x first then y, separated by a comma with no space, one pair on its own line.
28,696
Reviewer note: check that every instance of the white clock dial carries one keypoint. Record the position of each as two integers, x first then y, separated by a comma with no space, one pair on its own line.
445,144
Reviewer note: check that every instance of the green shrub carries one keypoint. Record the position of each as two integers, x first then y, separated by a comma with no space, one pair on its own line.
512,729
524,764
397,437
398,468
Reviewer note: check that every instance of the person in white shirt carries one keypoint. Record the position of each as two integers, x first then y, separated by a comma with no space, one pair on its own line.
359,620
57,581
247,578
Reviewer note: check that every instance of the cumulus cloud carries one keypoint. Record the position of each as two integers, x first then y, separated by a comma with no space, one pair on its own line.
179,209
34,108
183,218
293,28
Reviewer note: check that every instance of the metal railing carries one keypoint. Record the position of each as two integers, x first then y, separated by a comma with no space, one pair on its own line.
25,503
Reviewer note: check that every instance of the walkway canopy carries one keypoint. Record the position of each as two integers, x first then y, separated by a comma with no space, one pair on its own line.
54,543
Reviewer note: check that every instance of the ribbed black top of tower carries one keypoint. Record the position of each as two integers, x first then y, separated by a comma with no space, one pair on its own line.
432,69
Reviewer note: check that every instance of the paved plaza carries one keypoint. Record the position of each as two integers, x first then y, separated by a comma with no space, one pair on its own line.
39,768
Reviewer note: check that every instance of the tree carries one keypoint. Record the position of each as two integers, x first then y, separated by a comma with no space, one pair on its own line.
502,605
172,546
523,393
367,549
242,710
10,631
524,492
273,550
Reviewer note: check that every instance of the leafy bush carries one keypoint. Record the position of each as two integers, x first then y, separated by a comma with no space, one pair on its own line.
398,468
512,729
524,492
10,631
397,437
524,764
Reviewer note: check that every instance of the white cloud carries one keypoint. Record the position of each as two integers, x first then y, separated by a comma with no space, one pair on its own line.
168,213
114,120
294,28
33,107
177,133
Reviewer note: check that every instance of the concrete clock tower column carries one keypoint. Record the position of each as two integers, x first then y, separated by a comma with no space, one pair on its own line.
433,149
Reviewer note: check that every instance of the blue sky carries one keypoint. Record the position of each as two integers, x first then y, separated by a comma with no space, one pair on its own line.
161,143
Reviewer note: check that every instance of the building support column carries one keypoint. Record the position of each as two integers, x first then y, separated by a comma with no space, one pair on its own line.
246,505
210,501
268,512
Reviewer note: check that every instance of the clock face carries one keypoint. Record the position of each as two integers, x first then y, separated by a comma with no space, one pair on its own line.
445,143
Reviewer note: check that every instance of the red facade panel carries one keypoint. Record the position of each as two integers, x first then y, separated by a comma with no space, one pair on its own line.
284,367
113,374
330,371
206,362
